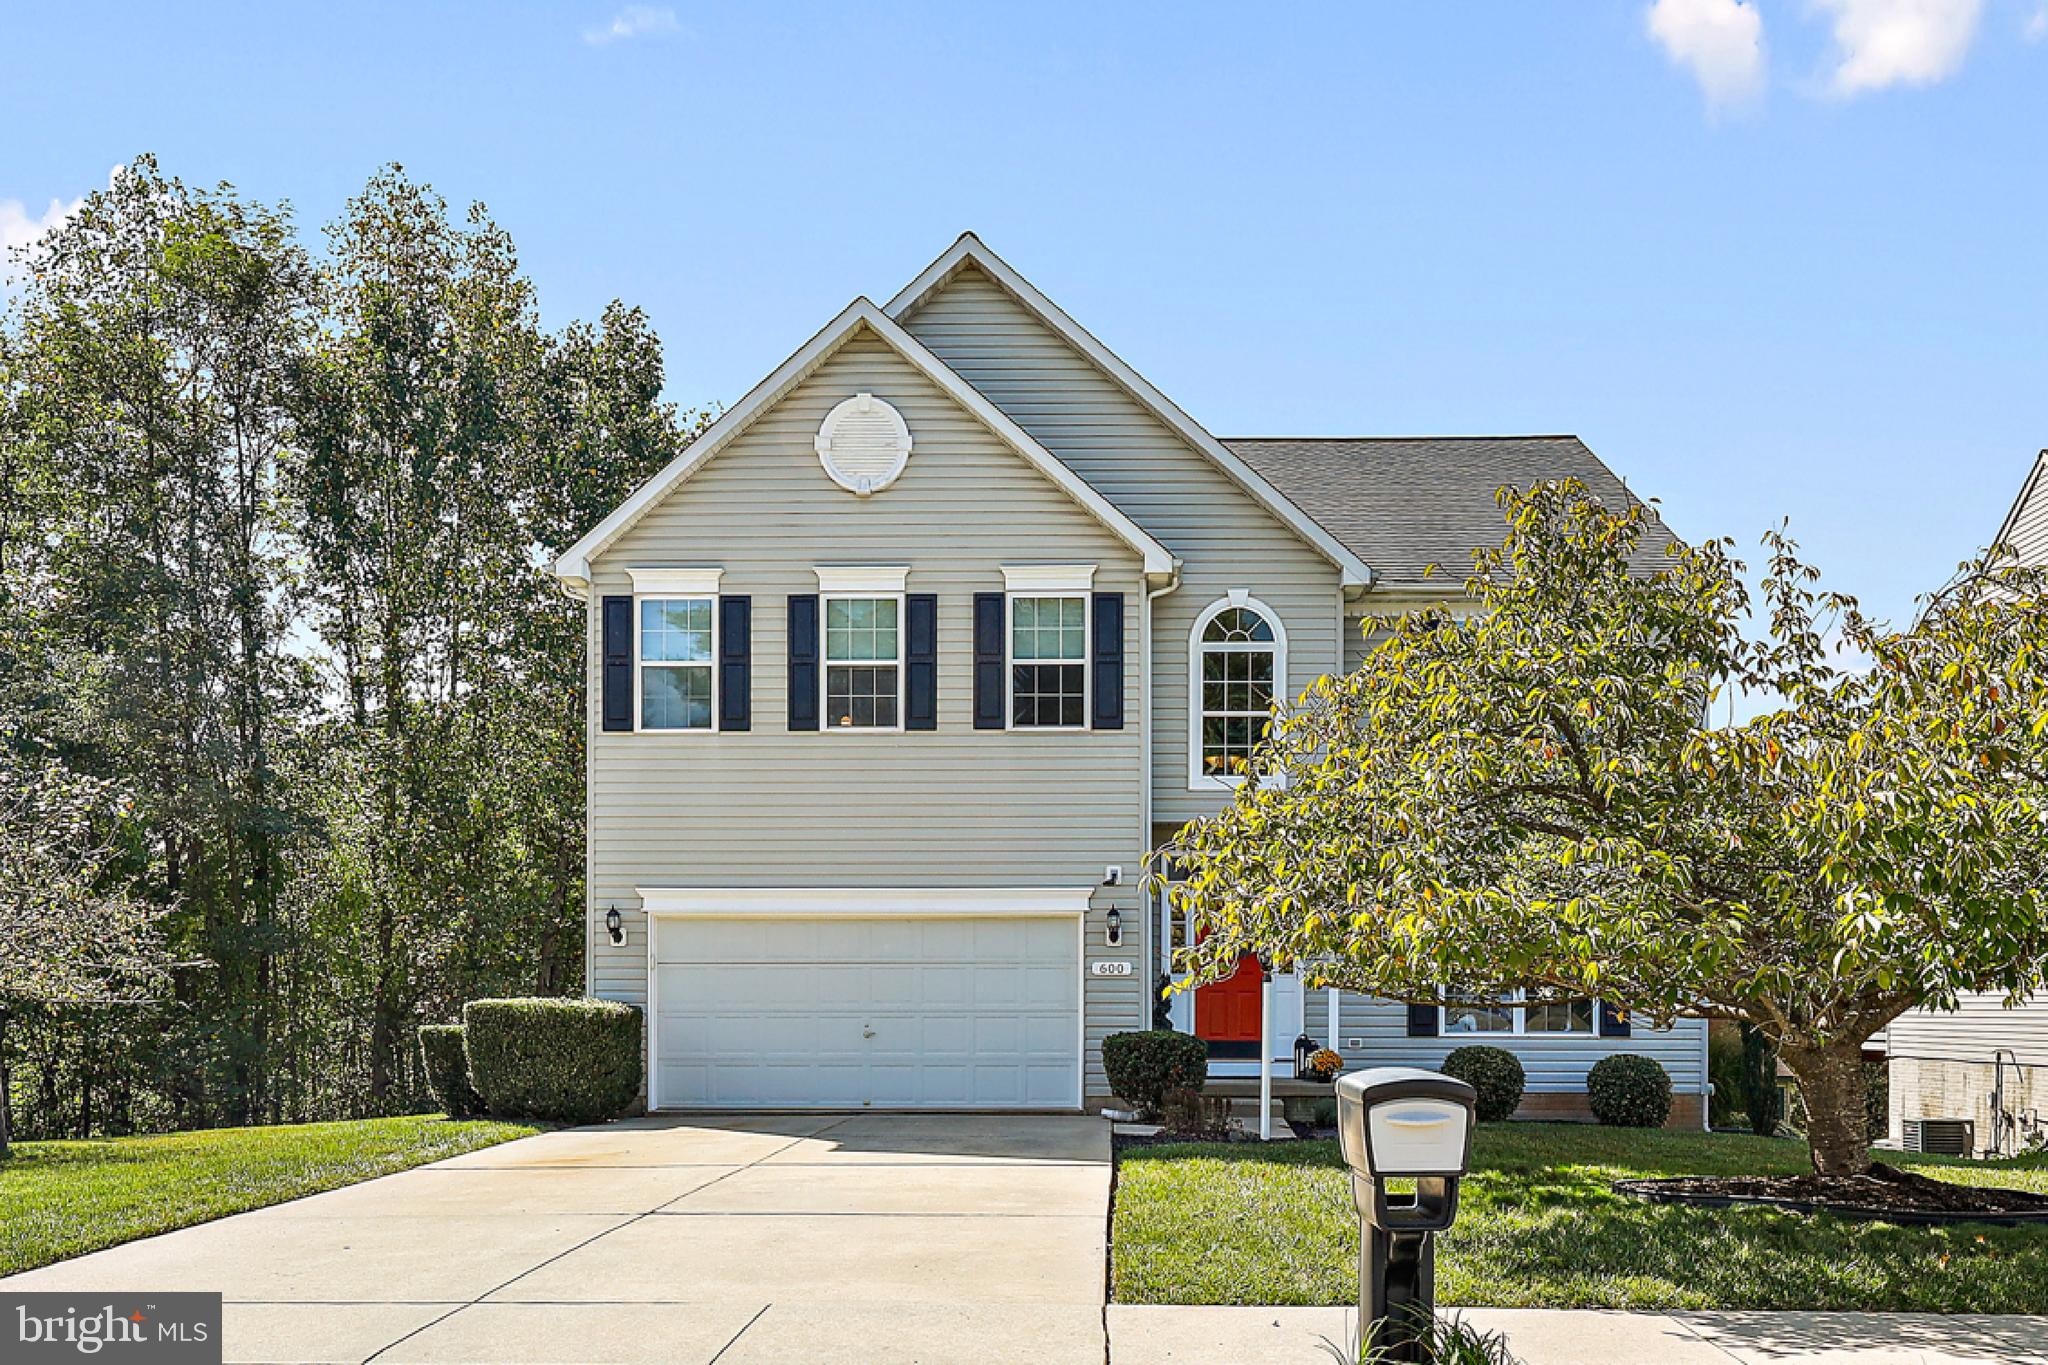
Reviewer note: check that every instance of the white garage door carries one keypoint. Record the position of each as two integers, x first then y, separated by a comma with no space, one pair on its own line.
838,1013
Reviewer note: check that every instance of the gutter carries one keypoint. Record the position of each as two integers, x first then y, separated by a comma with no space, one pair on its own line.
1172,584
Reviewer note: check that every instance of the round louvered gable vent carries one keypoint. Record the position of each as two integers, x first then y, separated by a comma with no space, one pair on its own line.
863,444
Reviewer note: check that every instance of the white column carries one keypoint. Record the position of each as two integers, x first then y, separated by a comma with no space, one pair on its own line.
1330,994
1266,1056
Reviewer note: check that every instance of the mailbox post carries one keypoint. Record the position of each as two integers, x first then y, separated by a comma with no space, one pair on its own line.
1404,1122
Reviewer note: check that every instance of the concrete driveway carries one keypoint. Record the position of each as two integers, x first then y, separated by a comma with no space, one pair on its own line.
864,1239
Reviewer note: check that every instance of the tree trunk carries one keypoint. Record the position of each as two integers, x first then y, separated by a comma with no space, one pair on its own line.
1761,1103
1832,1084
6,1086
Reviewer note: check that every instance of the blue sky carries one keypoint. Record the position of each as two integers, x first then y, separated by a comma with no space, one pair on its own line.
1769,259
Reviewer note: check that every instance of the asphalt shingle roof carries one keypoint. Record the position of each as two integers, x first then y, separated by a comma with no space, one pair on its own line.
1402,503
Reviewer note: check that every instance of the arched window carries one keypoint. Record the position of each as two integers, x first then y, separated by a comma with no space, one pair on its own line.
1238,669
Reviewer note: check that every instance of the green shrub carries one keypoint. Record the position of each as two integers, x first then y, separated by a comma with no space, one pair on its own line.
576,1061
1495,1073
1629,1091
447,1071
1143,1067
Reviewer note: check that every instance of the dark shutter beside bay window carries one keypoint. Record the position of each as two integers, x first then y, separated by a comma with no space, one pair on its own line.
735,663
988,661
1423,1021
803,662
617,711
921,661
1108,711
1613,1022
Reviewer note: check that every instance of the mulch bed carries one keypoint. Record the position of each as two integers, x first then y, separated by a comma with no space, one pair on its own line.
1886,1193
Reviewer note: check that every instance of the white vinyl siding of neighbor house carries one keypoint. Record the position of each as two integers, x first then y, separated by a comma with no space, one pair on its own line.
1223,537
954,807
1979,1026
1555,1063
2026,528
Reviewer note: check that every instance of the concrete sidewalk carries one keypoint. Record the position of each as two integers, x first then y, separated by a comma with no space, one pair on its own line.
1318,1336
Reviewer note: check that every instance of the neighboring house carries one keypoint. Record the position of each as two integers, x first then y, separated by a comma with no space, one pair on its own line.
1978,1077
900,671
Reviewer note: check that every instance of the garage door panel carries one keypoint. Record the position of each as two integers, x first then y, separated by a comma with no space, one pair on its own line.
959,1012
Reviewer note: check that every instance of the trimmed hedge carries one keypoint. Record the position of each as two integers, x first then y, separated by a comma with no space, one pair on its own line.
1495,1073
574,1061
447,1071
1629,1091
1145,1067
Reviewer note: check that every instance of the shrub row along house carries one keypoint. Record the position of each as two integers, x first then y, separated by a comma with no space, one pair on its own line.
901,670
1975,1081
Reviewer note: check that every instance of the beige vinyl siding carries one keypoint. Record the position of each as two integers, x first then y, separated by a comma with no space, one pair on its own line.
1980,1025
955,807
1553,1065
1224,538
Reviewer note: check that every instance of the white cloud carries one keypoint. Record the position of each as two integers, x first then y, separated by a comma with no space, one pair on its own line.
2036,27
631,22
1721,42
19,228
1880,43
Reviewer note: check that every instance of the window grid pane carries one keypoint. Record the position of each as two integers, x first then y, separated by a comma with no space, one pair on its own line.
1571,1016
675,697
860,697
860,629
675,630
1048,628
1474,1017
1048,694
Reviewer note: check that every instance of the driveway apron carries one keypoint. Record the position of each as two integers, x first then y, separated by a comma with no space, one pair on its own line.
822,1238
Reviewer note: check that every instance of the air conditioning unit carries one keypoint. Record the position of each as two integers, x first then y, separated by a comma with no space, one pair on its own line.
1941,1137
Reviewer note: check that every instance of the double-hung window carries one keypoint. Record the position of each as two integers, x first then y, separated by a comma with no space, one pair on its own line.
1510,1015
675,669
1048,645
863,673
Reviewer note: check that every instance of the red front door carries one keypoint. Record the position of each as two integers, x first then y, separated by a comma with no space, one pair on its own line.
1227,1011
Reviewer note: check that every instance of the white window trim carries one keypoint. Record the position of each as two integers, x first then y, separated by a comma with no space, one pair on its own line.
862,580
825,652
1199,781
1087,659
639,655
1049,580
1519,1006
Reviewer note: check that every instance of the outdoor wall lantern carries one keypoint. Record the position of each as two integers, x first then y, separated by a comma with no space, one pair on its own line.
615,924
1114,932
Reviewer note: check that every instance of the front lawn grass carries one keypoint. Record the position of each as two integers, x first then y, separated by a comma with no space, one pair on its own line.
60,1199
1538,1227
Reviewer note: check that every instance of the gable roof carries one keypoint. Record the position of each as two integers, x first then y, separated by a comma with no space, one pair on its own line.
573,566
2036,485
970,250
1422,500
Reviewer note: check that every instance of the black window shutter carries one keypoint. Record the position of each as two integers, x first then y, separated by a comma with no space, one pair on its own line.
921,661
803,662
618,663
1109,661
1423,1021
1613,1023
735,663
988,661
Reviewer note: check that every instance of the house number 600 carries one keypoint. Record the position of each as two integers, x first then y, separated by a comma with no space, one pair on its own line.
1109,969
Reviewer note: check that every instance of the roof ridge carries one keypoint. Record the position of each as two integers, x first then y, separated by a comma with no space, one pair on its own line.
1505,436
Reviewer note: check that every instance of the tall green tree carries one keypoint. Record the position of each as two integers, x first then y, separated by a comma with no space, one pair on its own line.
1527,798
149,367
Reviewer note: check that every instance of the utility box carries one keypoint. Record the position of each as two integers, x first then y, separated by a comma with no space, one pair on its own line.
1402,1123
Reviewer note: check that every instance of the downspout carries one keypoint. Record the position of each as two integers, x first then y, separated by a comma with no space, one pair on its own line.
1151,914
